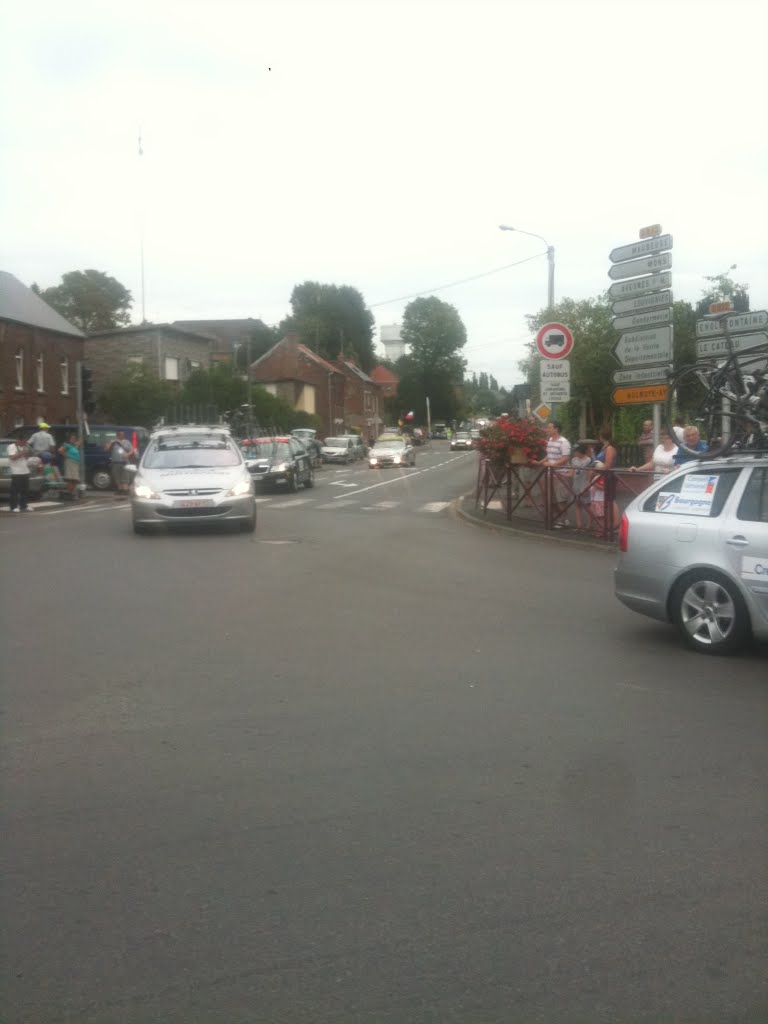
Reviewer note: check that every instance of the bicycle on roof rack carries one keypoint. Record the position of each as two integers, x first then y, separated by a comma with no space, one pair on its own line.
726,398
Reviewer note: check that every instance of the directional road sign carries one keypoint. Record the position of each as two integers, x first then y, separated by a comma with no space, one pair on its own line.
642,302
646,265
639,395
542,412
737,322
640,286
555,380
638,320
645,348
707,347
554,341
642,375
645,248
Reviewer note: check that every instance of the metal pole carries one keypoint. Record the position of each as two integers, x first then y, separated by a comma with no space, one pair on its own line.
429,421
80,424
551,276
250,391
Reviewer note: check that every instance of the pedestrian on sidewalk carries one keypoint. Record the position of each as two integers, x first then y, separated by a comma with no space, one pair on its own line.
18,456
42,441
71,452
120,453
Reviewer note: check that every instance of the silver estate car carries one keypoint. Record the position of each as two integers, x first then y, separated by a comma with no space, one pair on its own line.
693,550
391,450
193,475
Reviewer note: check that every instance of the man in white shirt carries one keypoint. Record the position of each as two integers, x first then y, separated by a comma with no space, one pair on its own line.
18,453
558,454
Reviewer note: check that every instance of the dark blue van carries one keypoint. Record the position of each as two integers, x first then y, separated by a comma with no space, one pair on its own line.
97,462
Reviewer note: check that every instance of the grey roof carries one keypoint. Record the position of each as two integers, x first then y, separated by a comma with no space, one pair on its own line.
19,303
149,329
356,370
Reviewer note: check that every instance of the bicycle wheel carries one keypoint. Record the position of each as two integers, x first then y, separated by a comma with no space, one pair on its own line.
698,393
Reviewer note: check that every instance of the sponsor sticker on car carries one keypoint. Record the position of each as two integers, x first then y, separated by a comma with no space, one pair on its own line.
754,568
694,498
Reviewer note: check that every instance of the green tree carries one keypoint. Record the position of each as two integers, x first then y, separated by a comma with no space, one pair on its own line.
218,387
722,287
332,320
89,299
261,339
136,396
434,367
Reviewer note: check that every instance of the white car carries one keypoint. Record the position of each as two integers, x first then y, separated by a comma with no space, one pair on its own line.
693,550
338,449
391,450
193,475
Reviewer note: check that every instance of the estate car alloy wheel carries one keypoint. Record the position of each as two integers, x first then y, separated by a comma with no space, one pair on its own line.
101,479
710,613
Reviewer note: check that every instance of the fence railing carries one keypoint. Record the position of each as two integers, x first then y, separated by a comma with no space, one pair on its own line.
589,501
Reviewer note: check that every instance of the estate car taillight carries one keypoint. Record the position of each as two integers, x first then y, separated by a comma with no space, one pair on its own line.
624,533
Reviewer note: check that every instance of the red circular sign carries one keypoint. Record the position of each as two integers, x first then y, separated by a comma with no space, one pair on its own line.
554,341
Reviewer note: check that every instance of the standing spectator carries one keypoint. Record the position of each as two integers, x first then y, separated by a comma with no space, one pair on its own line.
120,452
645,441
18,454
679,429
663,459
605,458
70,450
580,460
41,441
558,454
691,439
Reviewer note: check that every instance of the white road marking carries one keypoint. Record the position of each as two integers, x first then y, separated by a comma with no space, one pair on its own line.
434,506
339,504
293,503
412,473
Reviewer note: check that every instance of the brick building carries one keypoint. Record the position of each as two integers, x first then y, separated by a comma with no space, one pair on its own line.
387,381
364,402
39,353
171,352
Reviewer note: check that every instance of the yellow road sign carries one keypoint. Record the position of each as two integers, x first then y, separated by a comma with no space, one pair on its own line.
640,395
721,307
652,231
542,412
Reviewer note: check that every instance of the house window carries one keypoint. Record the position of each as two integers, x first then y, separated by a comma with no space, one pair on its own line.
193,365
171,368
64,368
19,370
40,371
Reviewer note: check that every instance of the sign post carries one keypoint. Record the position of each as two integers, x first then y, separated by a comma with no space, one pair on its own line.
554,342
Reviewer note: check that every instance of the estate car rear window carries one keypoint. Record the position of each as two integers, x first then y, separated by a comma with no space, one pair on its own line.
753,506
698,493
190,453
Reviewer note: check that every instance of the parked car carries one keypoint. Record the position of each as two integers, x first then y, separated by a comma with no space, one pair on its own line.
461,440
392,450
339,449
358,445
98,471
279,462
693,550
309,439
477,437
192,475
36,478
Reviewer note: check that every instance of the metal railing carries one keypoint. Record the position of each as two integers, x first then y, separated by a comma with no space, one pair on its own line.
586,500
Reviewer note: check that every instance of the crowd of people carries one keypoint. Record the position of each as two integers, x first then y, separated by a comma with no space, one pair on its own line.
38,454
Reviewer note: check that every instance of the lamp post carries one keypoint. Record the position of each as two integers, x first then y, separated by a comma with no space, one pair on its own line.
550,261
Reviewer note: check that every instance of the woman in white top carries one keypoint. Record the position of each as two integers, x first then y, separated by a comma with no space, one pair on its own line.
663,459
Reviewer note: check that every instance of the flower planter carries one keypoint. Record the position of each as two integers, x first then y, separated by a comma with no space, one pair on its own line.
517,456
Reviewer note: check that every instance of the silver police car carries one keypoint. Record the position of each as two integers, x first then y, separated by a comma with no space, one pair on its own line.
194,475
693,550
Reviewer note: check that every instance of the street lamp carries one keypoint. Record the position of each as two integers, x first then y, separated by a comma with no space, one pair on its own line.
550,261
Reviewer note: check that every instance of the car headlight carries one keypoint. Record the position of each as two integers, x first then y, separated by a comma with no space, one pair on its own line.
396,459
373,460
281,467
145,491
241,487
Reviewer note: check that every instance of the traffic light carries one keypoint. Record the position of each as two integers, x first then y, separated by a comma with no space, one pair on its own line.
86,389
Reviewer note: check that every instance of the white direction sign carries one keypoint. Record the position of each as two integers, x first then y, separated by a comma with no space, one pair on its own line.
640,286
642,302
642,375
645,248
645,348
647,265
555,380
737,322
637,320
719,346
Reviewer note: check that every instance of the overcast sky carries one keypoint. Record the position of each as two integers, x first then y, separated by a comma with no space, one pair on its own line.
379,144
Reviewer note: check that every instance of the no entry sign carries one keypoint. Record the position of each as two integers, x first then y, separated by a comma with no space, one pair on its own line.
554,341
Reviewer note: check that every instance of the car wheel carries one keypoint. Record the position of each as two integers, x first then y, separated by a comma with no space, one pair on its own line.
101,480
710,613
310,480
249,525
293,483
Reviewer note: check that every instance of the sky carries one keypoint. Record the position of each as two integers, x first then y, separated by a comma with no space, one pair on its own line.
380,144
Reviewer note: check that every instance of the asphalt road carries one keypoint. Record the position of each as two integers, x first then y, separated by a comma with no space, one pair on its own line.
372,764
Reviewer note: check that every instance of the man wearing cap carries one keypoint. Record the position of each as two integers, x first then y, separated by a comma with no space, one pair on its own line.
41,441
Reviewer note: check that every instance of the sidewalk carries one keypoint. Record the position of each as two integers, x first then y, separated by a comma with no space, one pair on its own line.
495,519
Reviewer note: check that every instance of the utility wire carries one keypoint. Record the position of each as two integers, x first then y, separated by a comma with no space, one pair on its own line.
453,284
